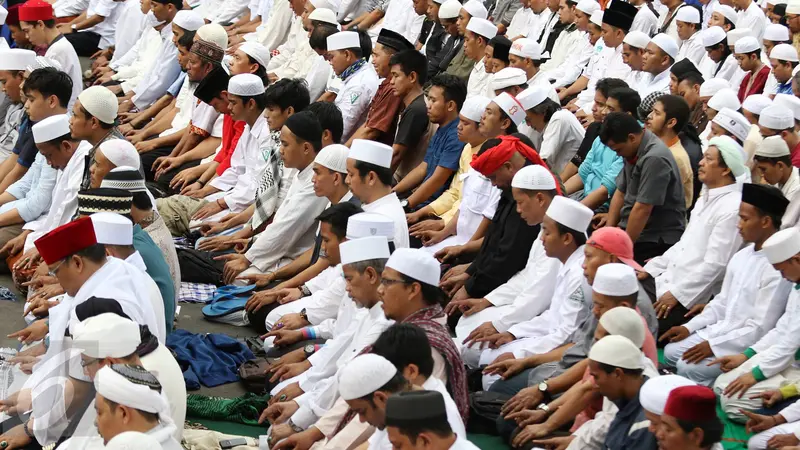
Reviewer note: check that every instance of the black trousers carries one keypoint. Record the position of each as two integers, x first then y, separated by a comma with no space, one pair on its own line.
150,157
643,251
86,43
160,188
675,316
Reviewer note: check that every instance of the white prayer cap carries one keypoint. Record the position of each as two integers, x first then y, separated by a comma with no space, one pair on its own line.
106,335
534,178
733,122
793,7
117,388
570,213
782,245
364,375
50,128
449,9
133,440
728,11
615,280
688,14
533,96
713,36
784,52
17,59
188,20
3,15
625,322
371,152
736,34
525,48
245,85
510,106
317,4
588,6
417,264
637,39
363,225
99,102
120,153
746,44
41,62
476,9
666,43
324,15
655,391
482,27
343,40
777,2
776,117
712,86
364,249
789,101
776,33
112,229
507,77
617,351
597,18
334,157
214,33
756,103
257,51
773,147
474,107
724,98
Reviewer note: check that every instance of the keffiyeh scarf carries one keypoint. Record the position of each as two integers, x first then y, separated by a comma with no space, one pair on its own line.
270,183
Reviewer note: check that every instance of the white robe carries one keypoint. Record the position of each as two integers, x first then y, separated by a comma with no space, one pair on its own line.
354,98
62,51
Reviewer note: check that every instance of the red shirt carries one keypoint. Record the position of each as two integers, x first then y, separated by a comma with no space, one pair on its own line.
758,83
231,132
796,155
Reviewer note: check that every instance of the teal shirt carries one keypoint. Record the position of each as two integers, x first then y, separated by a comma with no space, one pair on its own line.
158,270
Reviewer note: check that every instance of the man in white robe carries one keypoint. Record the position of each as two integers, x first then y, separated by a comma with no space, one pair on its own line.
359,79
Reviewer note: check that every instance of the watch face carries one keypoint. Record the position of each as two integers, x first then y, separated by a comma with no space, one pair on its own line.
309,348
543,386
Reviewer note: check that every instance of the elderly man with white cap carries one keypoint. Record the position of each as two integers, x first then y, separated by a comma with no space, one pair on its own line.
527,54
571,50
561,132
660,54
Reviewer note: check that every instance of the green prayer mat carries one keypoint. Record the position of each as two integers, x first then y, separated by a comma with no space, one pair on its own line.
245,409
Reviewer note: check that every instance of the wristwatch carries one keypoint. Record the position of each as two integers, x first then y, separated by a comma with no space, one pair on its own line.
74,27
309,350
305,290
543,387
304,315
404,203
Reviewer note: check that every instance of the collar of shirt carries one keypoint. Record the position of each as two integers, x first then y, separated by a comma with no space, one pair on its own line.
792,182
720,191
389,198
166,32
352,69
259,127
663,77
573,261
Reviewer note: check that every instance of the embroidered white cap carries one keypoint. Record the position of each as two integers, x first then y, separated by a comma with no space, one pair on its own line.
257,51
482,27
17,59
50,128
570,213
637,39
617,351
624,321
534,178
449,9
364,249
784,52
99,102
776,117
533,96
776,33
121,153
756,103
364,375
655,391
666,43
773,147
324,15
371,152
615,280
588,6
746,44
41,62
214,33
525,48
728,11
782,245
688,14
789,101
417,264
343,40
106,335
713,36
334,157
712,86
112,228
474,107
188,20
508,77
736,34
476,9
793,7
368,225
724,98
733,122
510,106
245,85
597,18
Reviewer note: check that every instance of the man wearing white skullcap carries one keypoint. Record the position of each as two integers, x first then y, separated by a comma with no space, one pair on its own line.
719,61
777,120
690,31
658,57
112,154
476,38
455,61
570,53
774,161
654,393
527,55
748,52
783,59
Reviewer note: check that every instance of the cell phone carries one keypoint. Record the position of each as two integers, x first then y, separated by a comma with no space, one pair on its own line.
230,443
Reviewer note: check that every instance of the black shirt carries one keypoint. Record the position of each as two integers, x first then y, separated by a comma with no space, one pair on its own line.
413,123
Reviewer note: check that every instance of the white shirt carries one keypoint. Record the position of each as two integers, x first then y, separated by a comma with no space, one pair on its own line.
753,18
9,129
792,185
62,51
541,80
156,300
318,76
778,347
66,8
646,21
230,11
389,206
184,105
562,136
273,31
126,37
478,83
692,268
672,29
355,96
110,11
656,83
161,75
400,18
607,65
692,49
571,53
522,22
132,66
297,59
549,21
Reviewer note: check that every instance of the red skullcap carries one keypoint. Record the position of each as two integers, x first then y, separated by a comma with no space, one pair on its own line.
66,240
491,160
692,404
13,15
34,10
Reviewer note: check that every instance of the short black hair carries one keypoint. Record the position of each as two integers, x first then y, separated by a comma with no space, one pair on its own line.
791,63
756,53
337,216
142,201
260,99
776,219
433,295
675,107
306,123
628,99
404,344
693,77
187,40
547,108
786,160
103,125
617,127
178,4
288,92
512,128
578,236
606,85
455,89
318,39
95,253
50,81
384,174
49,23
411,61
330,118
57,141
712,430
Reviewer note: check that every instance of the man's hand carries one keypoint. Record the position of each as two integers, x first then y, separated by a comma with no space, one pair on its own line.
782,441
279,412
207,210
675,334
29,259
15,438
695,310
740,385
769,398
288,393
300,441
528,398
505,369
554,443
453,284
13,246
145,146
216,243
426,225
698,353
496,340
448,254
530,432
288,295
484,330
34,332
234,265
172,162
599,220
259,300
528,417
261,280
756,423
291,321
285,337
26,363
730,362
664,305
290,371
469,306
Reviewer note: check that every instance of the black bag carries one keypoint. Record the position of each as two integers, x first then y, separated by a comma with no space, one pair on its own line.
198,266
484,409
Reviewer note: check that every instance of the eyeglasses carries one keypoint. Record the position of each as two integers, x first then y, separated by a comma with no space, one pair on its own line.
53,272
388,282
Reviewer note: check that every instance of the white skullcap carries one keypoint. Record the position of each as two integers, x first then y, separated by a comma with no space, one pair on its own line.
733,122
776,117
746,44
364,375
712,86
510,106
3,15
655,391
784,52
666,43
788,101
214,33
532,96
617,351
318,4
364,249
449,9
99,102
615,280
688,14
245,85
525,48
482,27
17,59
776,33
597,18
112,229
773,147
724,98
324,15
727,11
637,39
50,128
106,335
474,107
756,103
736,34
782,245
713,36
570,213
133,440
257,51
118,389
371,152
793,7
534,178
476,9
369,224
625,322
41,62
417,264
507,77
334,157
188,20
588,6
343,40
120,153
777,2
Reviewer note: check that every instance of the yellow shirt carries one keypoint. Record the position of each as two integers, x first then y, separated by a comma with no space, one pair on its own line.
685,169
447,204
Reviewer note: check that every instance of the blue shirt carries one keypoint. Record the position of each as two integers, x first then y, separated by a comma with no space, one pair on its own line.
444,150
176,86
785,88
158,270
600,168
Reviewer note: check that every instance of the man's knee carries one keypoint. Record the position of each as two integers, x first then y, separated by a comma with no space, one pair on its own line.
672,354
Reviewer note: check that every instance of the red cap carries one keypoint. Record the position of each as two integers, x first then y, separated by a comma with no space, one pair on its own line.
34,10
692,404
615,241
13,15
66,240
